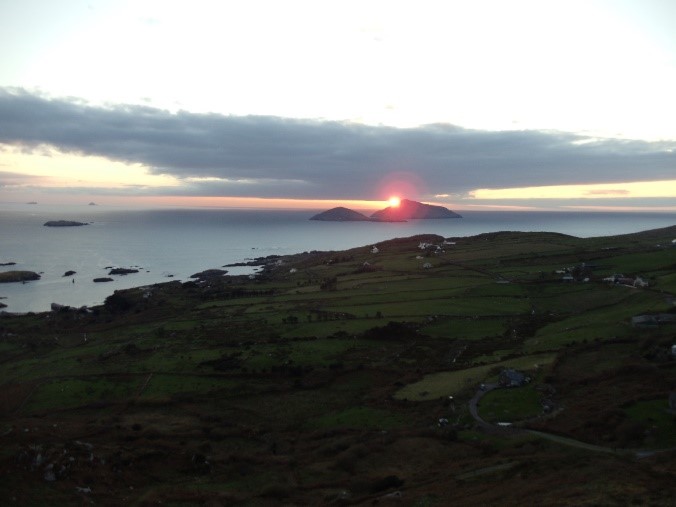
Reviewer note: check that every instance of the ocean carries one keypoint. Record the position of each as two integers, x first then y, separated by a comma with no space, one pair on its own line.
174,243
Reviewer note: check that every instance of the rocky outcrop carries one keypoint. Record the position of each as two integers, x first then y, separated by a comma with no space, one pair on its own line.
414,210
69,273
209,274
64,223
258,261
18,276
122,271
101,280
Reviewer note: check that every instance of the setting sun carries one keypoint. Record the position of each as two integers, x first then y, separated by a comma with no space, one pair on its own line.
394,201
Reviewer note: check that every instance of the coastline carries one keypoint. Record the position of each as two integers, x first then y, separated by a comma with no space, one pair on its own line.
172,244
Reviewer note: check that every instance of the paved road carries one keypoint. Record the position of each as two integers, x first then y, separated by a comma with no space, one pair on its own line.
571,442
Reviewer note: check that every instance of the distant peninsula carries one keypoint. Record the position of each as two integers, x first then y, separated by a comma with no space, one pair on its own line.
64,223
406,210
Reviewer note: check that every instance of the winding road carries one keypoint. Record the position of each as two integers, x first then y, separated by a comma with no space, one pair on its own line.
570,442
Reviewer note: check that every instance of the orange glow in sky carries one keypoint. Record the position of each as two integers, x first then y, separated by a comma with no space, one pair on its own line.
394,201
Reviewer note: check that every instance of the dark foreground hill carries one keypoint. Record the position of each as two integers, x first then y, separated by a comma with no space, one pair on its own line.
352,378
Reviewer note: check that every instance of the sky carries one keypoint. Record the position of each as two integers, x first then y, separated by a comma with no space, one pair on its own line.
472,104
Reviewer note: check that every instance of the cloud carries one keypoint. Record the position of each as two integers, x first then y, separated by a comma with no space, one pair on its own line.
610,192
267,156
13,179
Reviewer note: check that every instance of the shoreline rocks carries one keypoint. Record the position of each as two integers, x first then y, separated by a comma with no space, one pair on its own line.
258,261
18,276
209,274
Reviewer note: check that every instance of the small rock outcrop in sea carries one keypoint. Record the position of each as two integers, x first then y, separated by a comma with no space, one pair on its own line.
64,223
414,210
69,273
7,263
18,276
100,280
122,271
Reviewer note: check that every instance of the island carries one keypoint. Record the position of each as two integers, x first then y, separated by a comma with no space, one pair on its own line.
408,209
64,223
102,280
341,214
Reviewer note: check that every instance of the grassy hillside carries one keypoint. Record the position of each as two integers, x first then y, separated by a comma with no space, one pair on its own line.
324,380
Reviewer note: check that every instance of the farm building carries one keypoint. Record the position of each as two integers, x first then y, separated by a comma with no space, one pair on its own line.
510,377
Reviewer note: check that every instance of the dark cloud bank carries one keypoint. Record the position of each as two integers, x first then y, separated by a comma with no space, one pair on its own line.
269,156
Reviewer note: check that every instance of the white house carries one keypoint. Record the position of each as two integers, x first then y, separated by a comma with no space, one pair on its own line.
640,282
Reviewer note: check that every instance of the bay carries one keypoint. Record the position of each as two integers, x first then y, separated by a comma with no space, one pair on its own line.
174,243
